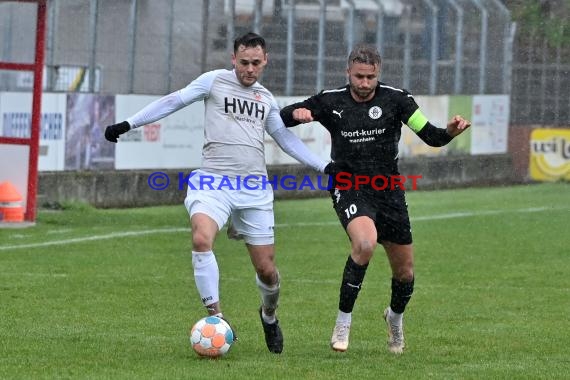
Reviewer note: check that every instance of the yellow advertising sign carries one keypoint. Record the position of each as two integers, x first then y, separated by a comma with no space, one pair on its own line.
550,154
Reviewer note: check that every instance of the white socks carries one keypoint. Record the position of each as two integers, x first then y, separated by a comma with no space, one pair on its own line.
395,318
206,276
269,298
344,318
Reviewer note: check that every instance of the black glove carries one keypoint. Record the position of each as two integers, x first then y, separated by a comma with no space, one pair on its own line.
112,132
332,169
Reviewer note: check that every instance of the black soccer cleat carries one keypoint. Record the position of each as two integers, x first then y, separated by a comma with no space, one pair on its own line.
273,335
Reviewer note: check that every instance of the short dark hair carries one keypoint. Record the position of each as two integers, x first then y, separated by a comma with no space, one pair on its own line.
364,53
249,39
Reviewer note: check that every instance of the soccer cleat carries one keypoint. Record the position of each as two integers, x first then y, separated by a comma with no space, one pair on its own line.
395,335
273,335
339,340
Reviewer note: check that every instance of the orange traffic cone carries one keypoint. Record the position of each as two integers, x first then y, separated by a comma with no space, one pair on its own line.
11,204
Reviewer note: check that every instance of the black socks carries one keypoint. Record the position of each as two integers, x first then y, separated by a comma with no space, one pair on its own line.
401,294
352,278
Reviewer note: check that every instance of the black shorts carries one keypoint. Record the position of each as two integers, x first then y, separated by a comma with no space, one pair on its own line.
388,210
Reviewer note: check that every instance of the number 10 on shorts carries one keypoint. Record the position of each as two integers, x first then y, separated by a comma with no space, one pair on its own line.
350,210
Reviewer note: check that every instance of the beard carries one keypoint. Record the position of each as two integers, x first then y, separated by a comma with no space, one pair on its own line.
361,93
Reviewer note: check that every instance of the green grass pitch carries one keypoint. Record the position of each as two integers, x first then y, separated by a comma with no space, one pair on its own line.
109,294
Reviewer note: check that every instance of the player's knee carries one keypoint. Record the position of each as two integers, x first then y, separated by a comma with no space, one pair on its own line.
268,274
364,248
201,242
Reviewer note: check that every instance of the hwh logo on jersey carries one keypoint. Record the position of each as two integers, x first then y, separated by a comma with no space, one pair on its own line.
244,107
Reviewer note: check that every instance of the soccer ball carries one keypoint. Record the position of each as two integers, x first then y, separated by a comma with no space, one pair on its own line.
211,336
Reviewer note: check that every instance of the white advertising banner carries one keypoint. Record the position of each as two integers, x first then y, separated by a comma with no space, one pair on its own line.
490,124
52,134
173,142
72,132
16,121
435,108
314,135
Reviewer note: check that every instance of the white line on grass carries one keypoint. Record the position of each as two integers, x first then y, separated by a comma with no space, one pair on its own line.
95,237
18,274
430,217
330,223
476,213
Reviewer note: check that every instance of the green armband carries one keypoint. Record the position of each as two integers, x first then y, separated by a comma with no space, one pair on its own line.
417,121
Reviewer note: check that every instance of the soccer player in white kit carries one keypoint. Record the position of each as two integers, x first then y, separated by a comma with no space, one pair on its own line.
238,112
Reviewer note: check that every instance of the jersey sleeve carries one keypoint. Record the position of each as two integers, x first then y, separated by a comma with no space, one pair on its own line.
289,142
313,104
157,110
274,120
198,89
294,147
408,107
434,136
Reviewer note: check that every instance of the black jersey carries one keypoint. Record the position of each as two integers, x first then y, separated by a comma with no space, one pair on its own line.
364,135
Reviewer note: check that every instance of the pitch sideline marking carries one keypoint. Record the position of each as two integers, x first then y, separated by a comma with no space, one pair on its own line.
174,230
92,238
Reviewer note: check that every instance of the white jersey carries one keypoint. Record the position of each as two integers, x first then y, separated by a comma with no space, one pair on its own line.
234,124
236,118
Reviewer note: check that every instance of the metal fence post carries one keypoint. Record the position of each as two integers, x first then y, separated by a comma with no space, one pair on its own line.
231,26
322,47
350,26
94,5
407,49
558,78
257,16
380,26
433,48
50,43
458,75
482,46
169,48
205,22
132,44
290,73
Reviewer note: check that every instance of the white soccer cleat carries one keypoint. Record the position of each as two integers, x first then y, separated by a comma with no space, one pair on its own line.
339,340
395,335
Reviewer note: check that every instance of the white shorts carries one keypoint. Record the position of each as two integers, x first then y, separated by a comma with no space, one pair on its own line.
250,210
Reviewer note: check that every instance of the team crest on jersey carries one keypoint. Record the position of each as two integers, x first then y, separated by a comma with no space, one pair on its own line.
256,95
375,112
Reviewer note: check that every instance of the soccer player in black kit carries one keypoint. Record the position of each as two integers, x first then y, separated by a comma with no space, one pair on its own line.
365,119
